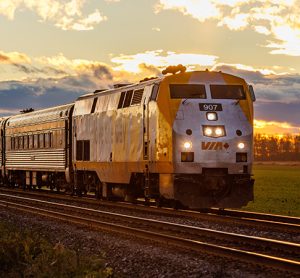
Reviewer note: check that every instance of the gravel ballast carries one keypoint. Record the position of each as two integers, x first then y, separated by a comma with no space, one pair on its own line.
134,257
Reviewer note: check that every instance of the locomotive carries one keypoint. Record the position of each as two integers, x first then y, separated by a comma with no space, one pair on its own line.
185,138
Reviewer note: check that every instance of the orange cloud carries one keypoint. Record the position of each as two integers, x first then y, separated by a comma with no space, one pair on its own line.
161,59
13,57
272,127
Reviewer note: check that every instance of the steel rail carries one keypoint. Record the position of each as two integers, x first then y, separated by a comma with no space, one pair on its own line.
242,220
202,247
161,225
270,243
256,215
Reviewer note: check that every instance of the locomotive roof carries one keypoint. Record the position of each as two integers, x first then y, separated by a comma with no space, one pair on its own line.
153,81
120,89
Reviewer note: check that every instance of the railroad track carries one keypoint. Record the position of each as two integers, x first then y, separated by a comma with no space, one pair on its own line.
255,215
267,222
234,246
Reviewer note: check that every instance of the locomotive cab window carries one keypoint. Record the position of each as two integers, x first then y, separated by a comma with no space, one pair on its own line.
187,91
227,92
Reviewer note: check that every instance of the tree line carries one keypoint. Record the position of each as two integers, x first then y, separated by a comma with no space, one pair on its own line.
276,147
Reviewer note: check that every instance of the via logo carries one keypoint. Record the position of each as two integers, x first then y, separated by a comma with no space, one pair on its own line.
214,146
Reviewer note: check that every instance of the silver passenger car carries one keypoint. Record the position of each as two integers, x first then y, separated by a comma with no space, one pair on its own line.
38,147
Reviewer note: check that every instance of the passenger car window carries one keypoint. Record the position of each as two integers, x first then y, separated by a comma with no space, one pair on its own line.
35,141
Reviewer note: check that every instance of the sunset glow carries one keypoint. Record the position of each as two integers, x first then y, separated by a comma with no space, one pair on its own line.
272,127
63,49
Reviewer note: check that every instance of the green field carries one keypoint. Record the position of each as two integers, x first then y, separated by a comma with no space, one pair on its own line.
276,190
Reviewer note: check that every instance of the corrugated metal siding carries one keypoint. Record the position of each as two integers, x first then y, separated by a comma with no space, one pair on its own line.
36,159
41,116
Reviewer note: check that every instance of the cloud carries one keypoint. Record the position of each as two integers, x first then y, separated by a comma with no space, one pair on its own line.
277,19
272,127
66,15
13,57
160,59
77,66
277,95
201,10
156,29
278,112
51,81
271,86
41,93
56,67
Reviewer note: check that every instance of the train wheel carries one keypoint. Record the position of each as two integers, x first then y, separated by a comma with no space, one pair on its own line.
174,204
79,192
147,201
98,190
72,190
159,201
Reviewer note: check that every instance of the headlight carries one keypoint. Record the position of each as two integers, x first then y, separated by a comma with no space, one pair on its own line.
214,131
241,146
187,145
208,131
219,131
211,116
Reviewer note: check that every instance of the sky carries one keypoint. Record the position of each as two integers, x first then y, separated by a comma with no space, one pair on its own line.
53,51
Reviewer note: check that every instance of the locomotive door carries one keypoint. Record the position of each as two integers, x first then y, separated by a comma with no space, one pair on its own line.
147,93
146,97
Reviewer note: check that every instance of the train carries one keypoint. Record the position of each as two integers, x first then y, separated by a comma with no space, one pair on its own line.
184,138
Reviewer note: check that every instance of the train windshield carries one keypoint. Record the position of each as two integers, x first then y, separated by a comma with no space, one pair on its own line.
187,91
227,92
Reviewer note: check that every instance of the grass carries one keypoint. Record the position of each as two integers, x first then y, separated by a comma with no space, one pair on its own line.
276,190
26,254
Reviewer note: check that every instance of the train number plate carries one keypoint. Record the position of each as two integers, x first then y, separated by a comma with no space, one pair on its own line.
210,107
